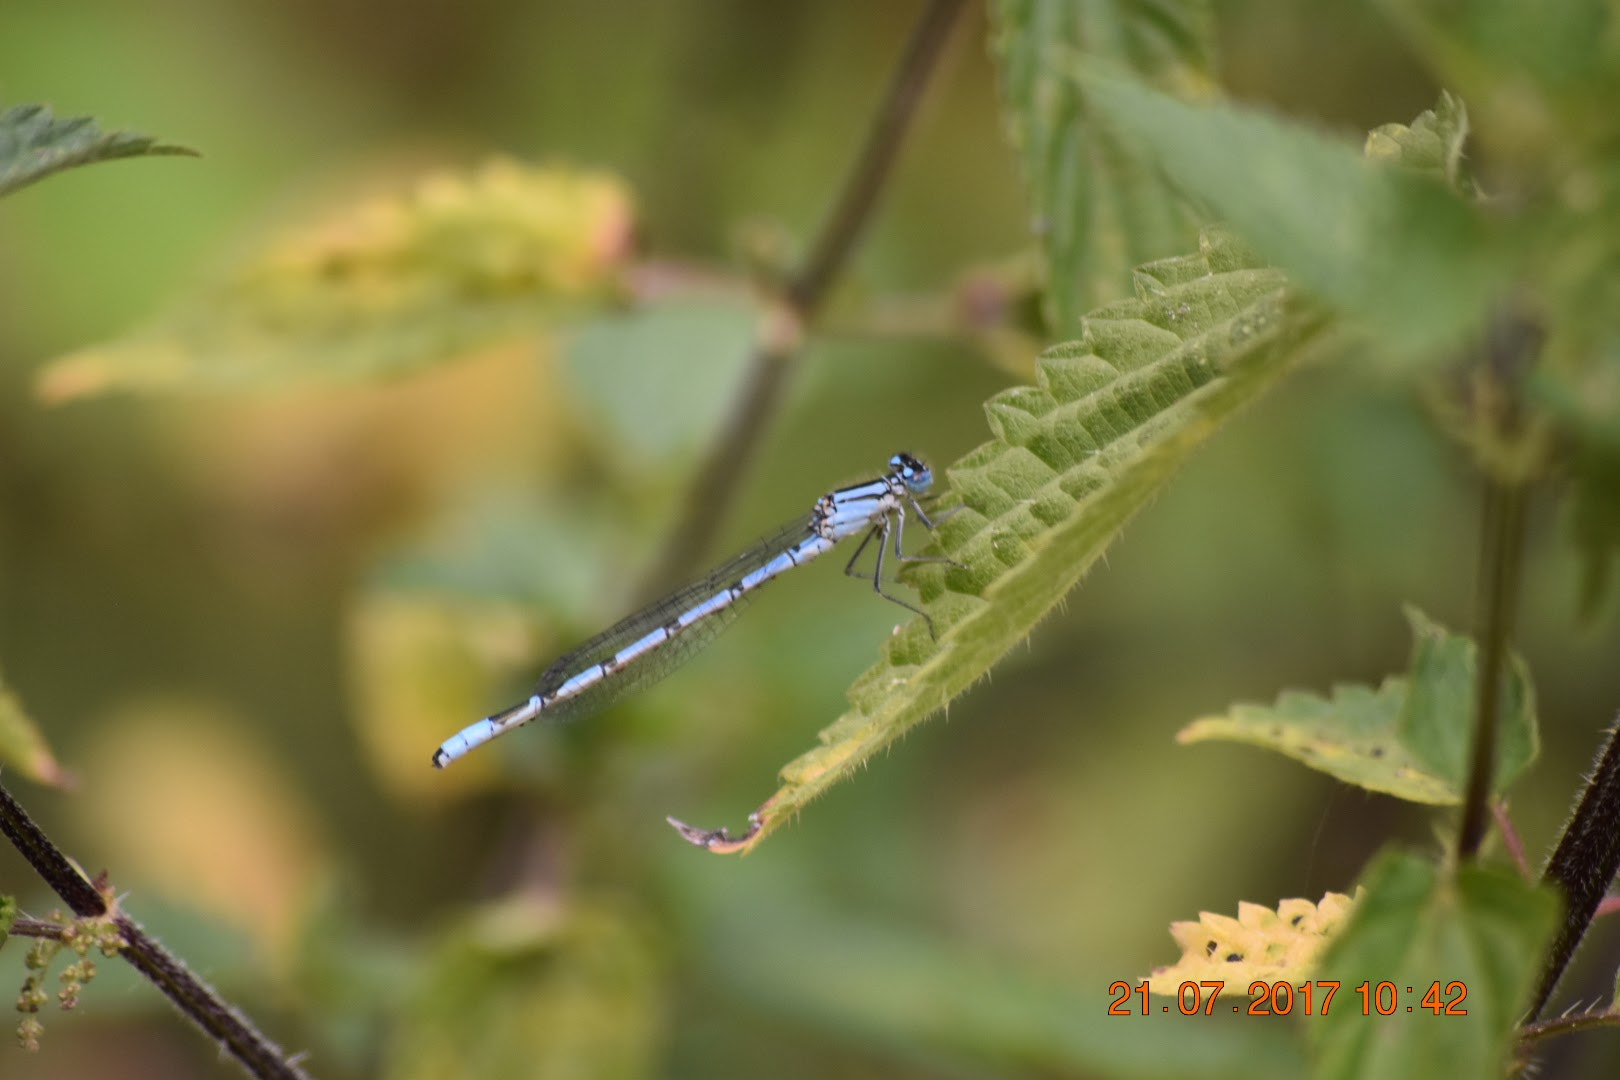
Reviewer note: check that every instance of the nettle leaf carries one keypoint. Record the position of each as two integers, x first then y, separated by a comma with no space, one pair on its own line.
1350,735
1260,945
34,144
1414,263
1473,938
463,262
1111,418
1433,143
1542,76
23,746
1098,211
1410,738
1437,719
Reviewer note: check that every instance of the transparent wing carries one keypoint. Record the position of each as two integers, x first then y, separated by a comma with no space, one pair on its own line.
653,665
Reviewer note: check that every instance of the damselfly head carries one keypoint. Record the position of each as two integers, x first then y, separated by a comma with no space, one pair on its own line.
912,472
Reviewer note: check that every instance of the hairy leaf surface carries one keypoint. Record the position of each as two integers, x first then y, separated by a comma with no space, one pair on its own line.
1111,418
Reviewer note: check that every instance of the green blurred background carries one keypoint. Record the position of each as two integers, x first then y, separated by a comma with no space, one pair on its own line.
200,597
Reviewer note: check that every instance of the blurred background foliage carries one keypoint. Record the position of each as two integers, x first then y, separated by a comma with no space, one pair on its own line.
245,621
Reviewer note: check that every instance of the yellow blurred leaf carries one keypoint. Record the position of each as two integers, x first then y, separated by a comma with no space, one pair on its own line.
422,667
529,990
23,746
389,286
1260,945
184,803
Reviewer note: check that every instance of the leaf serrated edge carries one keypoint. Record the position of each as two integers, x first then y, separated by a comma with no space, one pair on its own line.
1265,338
54,157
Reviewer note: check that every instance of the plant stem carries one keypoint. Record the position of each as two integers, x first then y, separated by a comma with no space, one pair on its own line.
198,1001
1584,862
777,350
37,928
1502,542
1512,343
1566,1025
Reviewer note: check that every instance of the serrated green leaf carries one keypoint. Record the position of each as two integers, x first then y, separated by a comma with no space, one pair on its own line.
1098,212
1433,143
463,262
1478,935
1409,738
8,916
526,990
23,746
1411,261
1111,419
1436,722
1542,76
1350,735
34,144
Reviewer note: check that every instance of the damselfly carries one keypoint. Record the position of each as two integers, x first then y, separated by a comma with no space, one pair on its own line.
642,648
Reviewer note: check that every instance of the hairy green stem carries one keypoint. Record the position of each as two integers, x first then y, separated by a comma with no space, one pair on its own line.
198,1001
776,354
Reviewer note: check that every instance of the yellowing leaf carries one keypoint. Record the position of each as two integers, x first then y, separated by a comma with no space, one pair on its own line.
392,285
190,807
1260,945
1350,735
23,747
421,668
1410,738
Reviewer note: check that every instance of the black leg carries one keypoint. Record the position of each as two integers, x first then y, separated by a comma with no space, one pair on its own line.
936,522
899,533
849,567
877,580
930,525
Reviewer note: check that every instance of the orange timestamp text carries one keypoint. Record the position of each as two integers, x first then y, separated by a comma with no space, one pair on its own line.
1305,999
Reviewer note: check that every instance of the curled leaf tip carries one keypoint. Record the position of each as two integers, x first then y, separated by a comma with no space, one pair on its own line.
720,841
